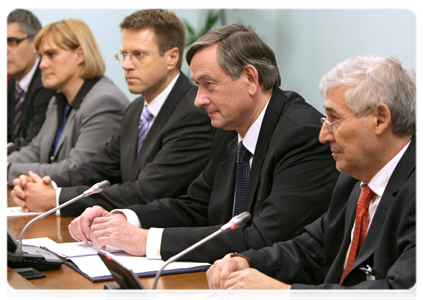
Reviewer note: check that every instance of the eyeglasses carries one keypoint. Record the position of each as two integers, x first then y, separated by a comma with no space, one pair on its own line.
135,57
323,120
12,42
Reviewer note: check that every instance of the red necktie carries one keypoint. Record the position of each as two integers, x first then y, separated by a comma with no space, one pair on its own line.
361,227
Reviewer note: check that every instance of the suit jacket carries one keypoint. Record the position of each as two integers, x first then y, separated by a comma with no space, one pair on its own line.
316,258
87,129
33,113
175,150
291,181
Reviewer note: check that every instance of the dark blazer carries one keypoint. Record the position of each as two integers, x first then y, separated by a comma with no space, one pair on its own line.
291,181
175,151
87,129
34,110
316,258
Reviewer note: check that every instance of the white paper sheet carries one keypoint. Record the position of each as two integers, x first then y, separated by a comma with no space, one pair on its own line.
18,211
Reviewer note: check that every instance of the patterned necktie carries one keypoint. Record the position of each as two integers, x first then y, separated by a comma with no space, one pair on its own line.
146,118
19,102
361,227
242,177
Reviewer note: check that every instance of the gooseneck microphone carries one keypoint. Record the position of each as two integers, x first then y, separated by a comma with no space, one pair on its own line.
235,222
96,188
10,146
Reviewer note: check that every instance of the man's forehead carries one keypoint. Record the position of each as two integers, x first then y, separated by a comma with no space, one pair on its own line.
14,28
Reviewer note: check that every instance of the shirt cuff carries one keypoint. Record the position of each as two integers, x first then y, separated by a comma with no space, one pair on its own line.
130,215
154,243
58,190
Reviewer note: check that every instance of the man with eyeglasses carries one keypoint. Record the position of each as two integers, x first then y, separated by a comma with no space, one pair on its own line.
367,238
27,99
274,168
164,141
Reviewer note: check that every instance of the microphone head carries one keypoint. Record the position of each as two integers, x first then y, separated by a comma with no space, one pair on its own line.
97,188
236,221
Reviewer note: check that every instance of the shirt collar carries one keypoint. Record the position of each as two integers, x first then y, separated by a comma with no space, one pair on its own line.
156,104
26,80
83,91
251,137
379,182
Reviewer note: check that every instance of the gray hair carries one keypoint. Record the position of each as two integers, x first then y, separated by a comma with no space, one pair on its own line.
28,23
239,46
375,79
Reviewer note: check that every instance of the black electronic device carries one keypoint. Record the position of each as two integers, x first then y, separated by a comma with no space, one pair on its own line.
29,273
20,256
125,278
32,256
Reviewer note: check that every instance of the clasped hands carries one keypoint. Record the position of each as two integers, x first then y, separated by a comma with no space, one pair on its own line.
34,193
235,273
103,228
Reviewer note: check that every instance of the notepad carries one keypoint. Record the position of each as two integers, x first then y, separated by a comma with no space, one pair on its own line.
83,258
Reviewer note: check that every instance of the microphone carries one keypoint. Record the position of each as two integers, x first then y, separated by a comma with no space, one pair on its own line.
10,146
18,255
96,188
235,222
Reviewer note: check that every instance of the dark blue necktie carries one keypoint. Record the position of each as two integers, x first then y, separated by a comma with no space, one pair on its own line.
59,132
242,177
143,127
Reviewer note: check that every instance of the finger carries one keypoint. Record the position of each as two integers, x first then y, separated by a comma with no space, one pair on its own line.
19,202
72,233
18,192
47,180
76,232
35,177
16,181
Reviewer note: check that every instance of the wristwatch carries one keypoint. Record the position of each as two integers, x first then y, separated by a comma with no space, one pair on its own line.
235,254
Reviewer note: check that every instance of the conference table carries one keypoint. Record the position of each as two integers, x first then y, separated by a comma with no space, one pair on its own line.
56,228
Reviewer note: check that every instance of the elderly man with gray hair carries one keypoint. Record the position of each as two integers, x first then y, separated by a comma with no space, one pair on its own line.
367,238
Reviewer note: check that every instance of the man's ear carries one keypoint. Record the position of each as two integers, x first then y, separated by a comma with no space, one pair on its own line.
173,55
252,79
80,55
383,119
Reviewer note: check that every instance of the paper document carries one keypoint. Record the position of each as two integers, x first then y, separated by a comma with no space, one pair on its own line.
70,250
83,258
18,211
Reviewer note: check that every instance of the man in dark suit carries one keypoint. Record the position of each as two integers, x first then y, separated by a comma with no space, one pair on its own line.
175,145
367,238
291,178
27,99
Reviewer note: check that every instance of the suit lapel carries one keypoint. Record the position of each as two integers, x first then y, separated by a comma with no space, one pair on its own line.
270,120
176,94
337,267
403,170
50,129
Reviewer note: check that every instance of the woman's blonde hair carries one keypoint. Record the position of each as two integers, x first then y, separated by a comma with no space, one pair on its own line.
71,34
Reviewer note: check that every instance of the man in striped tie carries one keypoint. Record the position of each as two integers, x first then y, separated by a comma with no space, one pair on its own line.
367,238
27,98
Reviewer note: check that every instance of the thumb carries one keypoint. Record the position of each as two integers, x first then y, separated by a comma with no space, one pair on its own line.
47,180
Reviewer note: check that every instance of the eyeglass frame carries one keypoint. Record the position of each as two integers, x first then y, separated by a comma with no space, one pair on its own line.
13,42
133,54
324,120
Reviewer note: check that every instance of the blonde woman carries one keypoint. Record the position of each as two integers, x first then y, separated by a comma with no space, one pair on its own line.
85,111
